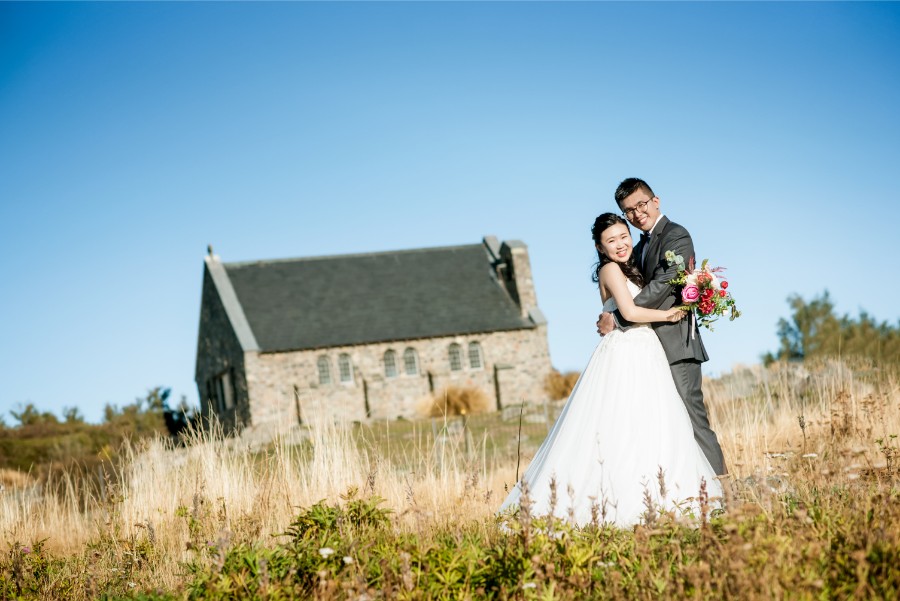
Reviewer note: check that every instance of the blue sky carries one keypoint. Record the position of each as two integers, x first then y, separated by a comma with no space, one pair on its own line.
134,134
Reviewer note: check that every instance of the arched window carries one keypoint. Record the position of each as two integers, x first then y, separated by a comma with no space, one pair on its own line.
475,361
390,364
455,357
324,370
345,368
410,362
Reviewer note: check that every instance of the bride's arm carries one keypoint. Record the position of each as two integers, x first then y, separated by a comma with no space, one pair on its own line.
614,281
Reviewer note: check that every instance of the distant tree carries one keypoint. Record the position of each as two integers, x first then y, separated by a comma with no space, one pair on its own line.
72,415
44,445
814,330
110,412
142,417
30,416
180,418
156,399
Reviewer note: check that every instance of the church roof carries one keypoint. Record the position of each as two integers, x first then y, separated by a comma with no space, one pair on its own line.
321,302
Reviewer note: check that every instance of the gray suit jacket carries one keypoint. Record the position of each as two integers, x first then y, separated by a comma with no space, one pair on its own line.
659,294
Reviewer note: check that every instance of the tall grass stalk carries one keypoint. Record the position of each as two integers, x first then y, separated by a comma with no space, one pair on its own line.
168,505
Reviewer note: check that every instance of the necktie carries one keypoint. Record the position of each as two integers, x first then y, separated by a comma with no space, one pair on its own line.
645,242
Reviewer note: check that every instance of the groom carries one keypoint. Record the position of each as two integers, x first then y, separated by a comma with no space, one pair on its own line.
680,340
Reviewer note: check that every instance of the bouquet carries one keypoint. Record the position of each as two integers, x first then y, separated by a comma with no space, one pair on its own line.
703,291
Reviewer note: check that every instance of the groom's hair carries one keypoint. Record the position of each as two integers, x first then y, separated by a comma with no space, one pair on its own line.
630,186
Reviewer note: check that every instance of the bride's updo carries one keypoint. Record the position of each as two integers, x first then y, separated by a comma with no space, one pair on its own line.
601,224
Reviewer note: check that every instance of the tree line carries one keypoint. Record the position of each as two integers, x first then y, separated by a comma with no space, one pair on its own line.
42,444
814,330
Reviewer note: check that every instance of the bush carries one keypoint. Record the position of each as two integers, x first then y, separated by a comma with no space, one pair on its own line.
559,386
457,400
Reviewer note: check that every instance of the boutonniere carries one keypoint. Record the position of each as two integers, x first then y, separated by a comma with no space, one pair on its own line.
673,259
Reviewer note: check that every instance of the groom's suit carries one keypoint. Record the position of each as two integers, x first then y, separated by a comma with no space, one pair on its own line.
684,351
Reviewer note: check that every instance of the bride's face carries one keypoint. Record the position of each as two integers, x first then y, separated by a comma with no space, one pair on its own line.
615,243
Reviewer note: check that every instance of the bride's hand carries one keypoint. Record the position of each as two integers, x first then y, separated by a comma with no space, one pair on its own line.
675,315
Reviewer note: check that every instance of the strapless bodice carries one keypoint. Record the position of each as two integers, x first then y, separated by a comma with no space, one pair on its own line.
610,304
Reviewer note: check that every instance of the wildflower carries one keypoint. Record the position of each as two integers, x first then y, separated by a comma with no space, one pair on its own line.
529,585
326,552
26,550
348,560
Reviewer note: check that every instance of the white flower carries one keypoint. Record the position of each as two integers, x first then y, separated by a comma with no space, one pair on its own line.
326,552
348,560
691,279
529,585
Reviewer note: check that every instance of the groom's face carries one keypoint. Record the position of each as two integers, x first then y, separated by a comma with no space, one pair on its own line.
641,209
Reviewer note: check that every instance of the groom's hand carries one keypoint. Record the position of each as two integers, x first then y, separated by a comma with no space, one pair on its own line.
605,324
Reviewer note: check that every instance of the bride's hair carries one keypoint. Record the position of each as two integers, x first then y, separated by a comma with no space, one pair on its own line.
601,224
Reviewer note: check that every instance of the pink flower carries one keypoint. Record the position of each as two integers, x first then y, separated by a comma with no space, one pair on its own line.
690,293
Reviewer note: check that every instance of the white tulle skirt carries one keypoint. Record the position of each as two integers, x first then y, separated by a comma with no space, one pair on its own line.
623,422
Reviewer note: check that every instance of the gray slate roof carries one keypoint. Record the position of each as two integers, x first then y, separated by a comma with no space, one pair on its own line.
296,304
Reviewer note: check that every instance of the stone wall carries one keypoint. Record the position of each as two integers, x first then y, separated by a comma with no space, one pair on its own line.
283,384
218,350
517,275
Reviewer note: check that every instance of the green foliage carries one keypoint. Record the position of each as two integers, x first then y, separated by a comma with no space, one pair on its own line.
813,542
43,445
30,416
815,331
805,530
24,571
325,543
72,415
810,544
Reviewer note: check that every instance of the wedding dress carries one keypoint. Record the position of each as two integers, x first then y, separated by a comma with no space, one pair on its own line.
623,421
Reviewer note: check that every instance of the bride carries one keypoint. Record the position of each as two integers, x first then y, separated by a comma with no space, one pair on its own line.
624,420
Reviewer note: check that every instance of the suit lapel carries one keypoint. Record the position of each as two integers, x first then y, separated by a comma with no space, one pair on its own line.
651,259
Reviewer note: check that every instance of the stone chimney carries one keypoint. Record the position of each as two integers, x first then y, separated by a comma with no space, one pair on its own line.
516,275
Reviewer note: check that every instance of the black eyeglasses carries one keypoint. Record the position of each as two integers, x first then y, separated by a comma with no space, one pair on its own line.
641,206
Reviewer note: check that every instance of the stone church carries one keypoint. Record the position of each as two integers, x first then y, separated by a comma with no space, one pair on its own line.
368,336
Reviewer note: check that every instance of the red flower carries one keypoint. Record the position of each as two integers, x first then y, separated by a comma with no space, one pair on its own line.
722,293
724,285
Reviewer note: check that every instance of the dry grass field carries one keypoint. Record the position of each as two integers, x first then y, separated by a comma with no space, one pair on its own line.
406,509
